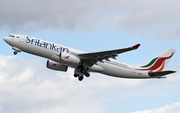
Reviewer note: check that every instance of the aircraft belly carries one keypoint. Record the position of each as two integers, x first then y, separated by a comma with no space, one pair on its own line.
117,71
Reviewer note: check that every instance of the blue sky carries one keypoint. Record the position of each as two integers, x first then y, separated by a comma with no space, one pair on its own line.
27,85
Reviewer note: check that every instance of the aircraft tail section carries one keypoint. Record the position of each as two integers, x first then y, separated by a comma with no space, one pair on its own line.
158,63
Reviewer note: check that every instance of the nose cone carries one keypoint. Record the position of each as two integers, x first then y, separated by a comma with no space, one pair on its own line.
8,40
5,39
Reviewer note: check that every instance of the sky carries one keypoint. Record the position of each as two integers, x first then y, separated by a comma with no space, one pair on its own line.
27,86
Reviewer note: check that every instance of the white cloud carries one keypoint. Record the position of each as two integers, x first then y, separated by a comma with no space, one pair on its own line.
174,108
157,17
26,85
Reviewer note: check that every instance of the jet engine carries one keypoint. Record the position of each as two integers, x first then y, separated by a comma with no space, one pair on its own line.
69,58
56,66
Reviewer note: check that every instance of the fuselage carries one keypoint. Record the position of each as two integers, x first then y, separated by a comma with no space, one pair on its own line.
52,51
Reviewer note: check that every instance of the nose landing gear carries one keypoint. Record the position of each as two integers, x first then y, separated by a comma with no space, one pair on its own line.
16,50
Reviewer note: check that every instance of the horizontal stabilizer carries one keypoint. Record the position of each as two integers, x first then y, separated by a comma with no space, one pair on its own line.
162,73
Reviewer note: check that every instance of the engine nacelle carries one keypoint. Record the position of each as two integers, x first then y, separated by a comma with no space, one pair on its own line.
56,66
69,58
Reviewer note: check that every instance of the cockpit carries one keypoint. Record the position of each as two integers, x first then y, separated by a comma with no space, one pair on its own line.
13,36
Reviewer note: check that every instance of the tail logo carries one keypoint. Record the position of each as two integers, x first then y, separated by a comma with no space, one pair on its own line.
155,64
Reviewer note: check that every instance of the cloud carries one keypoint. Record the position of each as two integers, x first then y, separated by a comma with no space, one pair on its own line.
157,17
26,85
174,108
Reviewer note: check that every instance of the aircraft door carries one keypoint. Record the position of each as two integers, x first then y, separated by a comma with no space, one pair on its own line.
22,39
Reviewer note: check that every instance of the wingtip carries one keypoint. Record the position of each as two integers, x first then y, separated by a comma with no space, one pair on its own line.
136,46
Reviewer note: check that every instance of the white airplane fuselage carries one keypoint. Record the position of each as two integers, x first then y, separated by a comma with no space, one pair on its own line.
52,51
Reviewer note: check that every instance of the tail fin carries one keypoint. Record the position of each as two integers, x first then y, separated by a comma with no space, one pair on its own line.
158,63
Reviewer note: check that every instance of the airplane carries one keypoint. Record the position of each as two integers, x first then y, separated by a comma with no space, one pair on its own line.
61,57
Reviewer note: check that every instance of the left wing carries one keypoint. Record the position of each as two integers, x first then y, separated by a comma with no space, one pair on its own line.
99,56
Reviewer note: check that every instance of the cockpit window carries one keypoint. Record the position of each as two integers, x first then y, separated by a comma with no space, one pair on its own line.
12,36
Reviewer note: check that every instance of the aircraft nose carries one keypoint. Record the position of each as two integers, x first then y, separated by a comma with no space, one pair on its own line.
5,39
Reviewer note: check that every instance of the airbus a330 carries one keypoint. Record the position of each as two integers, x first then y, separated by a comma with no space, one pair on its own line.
61,57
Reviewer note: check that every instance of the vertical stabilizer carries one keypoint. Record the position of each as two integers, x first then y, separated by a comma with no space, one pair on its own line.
159,62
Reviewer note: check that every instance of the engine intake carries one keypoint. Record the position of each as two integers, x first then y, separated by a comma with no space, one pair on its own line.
56,66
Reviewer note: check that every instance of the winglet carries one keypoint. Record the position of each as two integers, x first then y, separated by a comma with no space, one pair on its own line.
136,46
